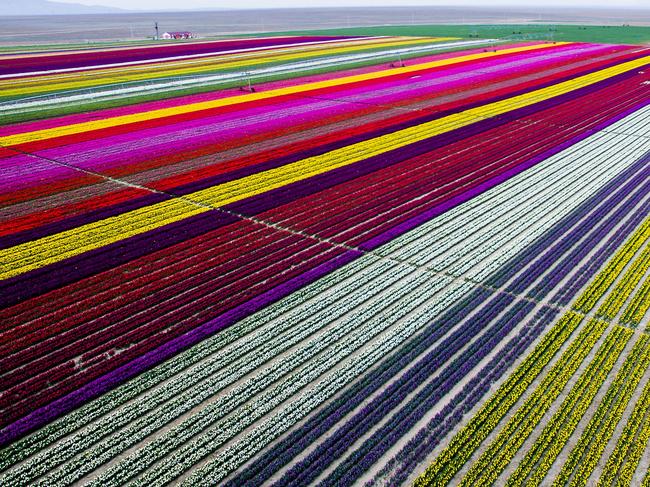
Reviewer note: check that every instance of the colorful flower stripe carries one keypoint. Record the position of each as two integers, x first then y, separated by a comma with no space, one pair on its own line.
423,443
297,103
45,62
463,444
318,281
33,255
148,162
215,471
639,305
174,69
622,291
135,106
309,88
49,113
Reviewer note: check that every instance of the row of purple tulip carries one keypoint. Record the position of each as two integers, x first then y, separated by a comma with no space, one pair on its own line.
271,462
605,199
587,271
383,439
571,260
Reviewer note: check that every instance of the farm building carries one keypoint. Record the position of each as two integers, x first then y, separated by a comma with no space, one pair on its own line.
178,35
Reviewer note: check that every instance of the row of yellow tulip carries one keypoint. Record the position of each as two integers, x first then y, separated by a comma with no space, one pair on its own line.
626,286
624,460
639,305
540,457
510,439
585,455
461,447
606,278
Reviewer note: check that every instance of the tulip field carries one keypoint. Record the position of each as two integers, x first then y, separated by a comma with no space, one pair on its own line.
325,260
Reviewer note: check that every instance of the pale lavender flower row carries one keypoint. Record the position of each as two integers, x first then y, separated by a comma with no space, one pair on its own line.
610,195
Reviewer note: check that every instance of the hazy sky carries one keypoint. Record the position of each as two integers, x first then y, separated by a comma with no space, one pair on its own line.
190,4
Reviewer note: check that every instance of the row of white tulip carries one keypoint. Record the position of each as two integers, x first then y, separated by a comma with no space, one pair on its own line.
589,173
468,215
284,379
245,447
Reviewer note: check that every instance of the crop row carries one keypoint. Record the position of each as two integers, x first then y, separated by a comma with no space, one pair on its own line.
617,298
413,410
608,275
623,461
587,452
183,317
460,236
336,444
535,272
539,458
374,221
599,233
276,460
500,452
462,229
291,479
639,305
464,443
571,228
353,396
85,59
244,405
419,446
176,69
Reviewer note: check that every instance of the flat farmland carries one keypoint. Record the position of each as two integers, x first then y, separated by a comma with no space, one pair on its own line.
325,259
